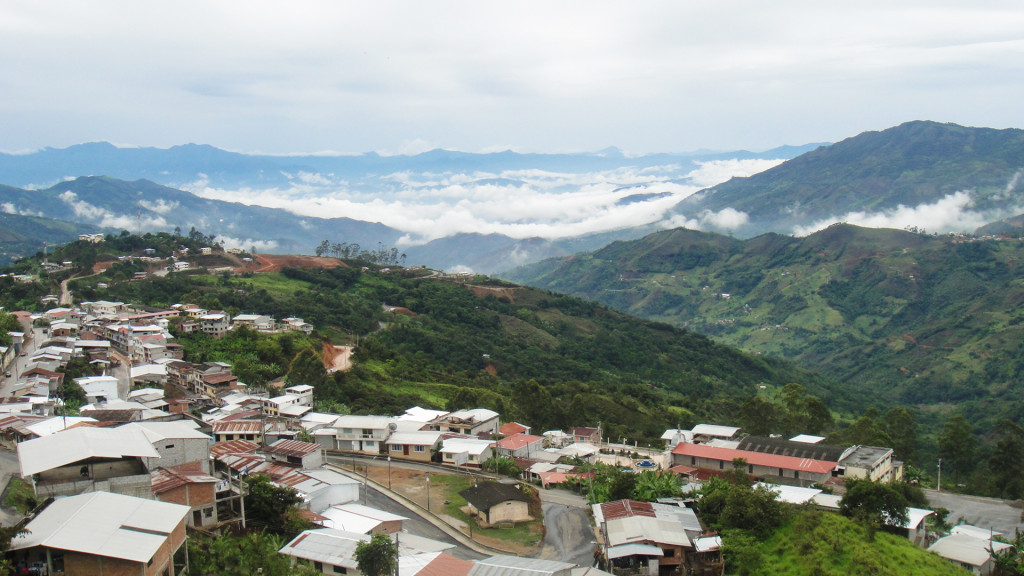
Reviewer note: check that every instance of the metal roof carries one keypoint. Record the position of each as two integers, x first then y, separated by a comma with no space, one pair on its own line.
707,543
56,450
56,424
634,550
755,458
518,441
157,431
104,524
433,564
164,479
966,549
286,447
518,566
326,545
415,438
715,430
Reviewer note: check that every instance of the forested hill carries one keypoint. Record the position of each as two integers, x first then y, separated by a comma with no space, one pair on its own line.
549,360
912,319
915,163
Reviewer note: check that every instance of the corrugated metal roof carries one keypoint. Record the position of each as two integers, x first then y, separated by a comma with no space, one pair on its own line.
634,550
433,564
287,447
518,566
236,426
104,524
164,479
326,545
226,447
56,450
755,458
966,549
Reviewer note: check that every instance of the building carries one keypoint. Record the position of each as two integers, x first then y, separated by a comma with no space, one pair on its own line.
305,455
362,433
362,519
103,533
254,321
780,469
466,451
638,535
414,444
495,503
519,446
469,422
874,462
88,460
585,434
189,487
251,430
177,442
969,552
215,324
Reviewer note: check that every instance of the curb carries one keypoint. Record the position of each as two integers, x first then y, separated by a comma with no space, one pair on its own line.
445,527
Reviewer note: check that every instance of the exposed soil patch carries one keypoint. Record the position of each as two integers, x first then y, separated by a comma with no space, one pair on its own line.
496,291
336,358
274,262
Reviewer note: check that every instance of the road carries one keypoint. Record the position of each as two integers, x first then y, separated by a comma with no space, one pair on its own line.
999,515
568,535
416,524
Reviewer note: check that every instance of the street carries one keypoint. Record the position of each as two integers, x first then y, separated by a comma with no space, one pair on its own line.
978,511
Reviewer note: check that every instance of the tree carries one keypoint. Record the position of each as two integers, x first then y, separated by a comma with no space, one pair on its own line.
273,506
902,429
957,445
874,503
378,557
651,485
1007,460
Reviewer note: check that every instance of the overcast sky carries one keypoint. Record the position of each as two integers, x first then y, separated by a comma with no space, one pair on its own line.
403,77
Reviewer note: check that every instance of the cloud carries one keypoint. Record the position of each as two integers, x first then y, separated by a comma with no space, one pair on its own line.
81,208
107,219
717,171
727,219
951,213
8,208
161,206
246,243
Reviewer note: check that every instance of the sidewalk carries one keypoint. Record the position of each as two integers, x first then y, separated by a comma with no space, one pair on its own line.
434,519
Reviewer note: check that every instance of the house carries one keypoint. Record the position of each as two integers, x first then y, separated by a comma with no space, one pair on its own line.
465,451
638,534
190,487
874,462
469,422
417,445
969,551
298,324
496,503
215,385
324,488
585,434
178,443
795,470
434,564
215,324
254,321
98,389
362,519
251,430
513,428
305,455
88,460
519,446
103,533
362,433
706,432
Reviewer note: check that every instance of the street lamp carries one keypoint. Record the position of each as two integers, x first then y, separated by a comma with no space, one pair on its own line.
428,492
389,472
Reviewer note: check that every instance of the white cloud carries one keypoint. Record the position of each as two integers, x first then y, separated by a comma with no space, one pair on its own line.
717,171
952,213
727,219
161,206
247,243
8,208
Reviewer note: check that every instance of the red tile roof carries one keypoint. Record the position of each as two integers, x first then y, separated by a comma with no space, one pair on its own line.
755,458
513,428
518,441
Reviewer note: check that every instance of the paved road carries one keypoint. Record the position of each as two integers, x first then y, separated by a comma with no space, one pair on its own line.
992,513
568,535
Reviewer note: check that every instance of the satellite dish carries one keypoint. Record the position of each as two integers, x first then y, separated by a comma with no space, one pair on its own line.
392,426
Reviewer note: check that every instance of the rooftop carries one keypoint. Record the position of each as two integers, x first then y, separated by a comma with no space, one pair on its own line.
56,450
104,524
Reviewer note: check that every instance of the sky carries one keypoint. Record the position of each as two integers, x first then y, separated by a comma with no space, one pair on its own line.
405,77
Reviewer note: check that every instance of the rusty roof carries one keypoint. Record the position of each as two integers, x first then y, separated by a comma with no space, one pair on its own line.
219,378
233,447
286,447
626,509
236,426
164,479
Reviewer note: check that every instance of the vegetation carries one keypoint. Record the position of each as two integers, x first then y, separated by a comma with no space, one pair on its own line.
252,553
378,557
928,325
273,508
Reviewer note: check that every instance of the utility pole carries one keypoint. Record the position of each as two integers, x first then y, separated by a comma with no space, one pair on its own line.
938,485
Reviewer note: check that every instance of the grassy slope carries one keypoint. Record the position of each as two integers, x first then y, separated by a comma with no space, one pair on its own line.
822,543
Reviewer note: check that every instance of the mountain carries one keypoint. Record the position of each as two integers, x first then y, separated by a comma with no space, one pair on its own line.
180,166
915,319
23,235
116,204
913,164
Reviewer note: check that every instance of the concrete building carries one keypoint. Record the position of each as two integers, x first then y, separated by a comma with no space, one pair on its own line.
177,442
102,533
191,488
305,455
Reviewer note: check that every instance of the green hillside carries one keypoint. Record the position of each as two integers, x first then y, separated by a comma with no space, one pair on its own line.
916,320
814,542
550,360
22,235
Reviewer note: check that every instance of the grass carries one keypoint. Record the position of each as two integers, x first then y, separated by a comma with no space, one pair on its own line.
21,496
521,534
276,283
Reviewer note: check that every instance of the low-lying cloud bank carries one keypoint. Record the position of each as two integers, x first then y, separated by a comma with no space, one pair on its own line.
517,203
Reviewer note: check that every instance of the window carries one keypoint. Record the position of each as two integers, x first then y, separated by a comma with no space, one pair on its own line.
750,468
781,472
721,464
693,460
340,569
208,513
419,448
396,448
169,446
796,474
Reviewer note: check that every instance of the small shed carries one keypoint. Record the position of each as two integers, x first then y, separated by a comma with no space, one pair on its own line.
496,502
